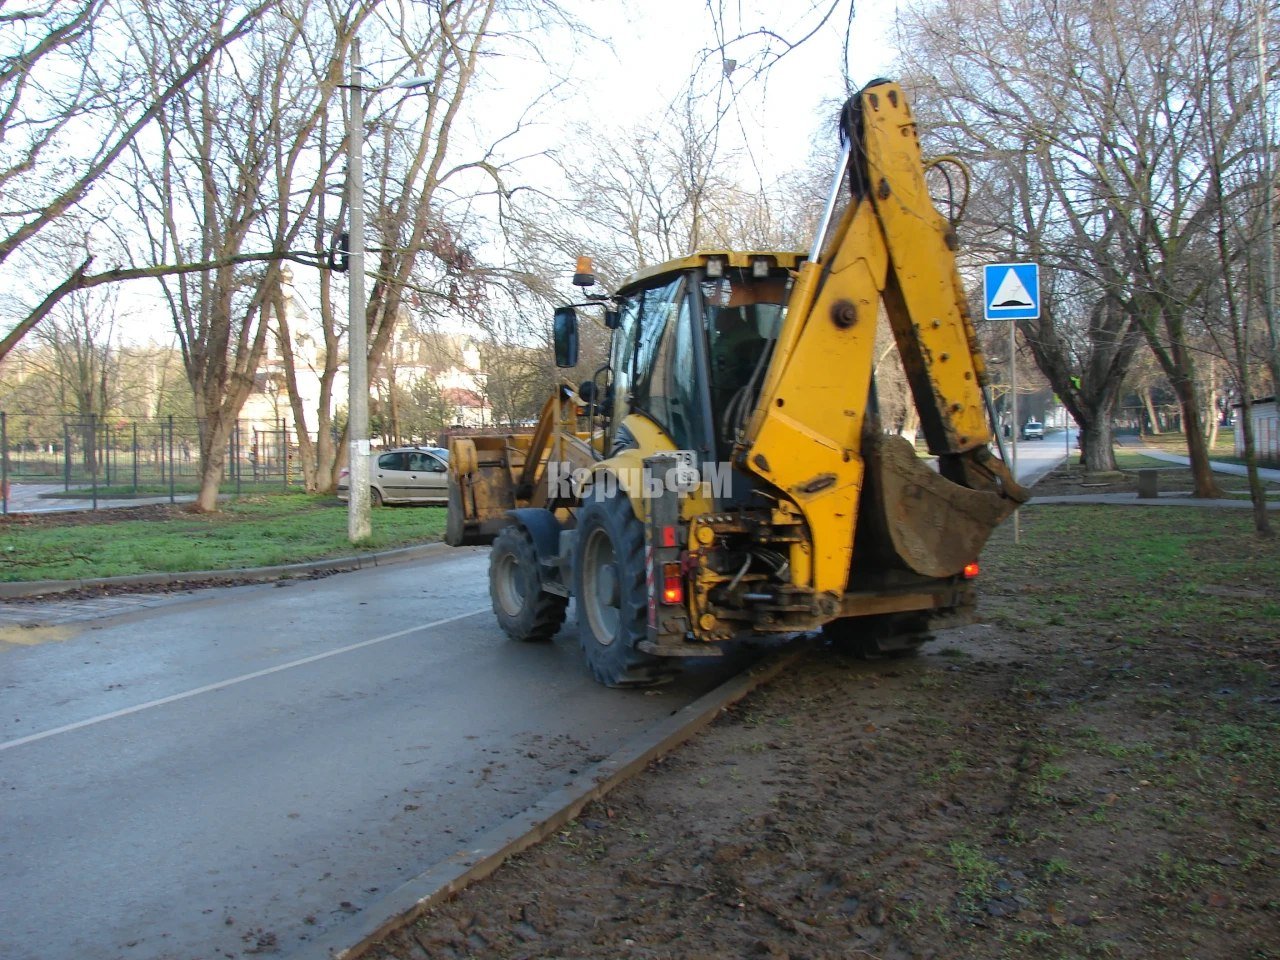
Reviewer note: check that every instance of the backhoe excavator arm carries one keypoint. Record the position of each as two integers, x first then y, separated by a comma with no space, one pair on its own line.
808,435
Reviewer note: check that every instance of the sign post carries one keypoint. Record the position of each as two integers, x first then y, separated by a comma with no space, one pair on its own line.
1011,292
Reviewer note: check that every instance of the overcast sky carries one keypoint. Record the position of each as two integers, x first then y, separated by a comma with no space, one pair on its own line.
654,46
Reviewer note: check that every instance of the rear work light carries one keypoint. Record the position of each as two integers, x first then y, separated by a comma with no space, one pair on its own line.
672,583
970,570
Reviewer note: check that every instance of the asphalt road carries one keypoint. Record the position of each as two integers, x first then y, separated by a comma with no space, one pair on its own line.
1037,457
237,773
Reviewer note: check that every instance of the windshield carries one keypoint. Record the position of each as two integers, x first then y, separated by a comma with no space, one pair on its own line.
672,331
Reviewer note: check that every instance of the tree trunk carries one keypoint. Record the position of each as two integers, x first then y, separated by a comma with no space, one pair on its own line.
1097,444
213,461
1211,406
910,423
1206,485
1152,417
1257,493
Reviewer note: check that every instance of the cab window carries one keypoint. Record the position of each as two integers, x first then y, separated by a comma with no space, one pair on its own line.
658,305
639,351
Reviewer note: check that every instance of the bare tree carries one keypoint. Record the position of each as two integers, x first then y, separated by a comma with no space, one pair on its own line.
229,179
62,90
84,363
418,175
1081,116
1239,210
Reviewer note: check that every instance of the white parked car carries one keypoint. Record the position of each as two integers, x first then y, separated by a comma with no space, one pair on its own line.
405,475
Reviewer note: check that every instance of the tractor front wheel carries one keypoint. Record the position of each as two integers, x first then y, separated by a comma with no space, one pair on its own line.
524,610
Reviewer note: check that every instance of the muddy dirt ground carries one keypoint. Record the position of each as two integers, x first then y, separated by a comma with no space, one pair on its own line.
1092,770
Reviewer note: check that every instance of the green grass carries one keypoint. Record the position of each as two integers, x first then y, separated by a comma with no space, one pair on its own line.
1224,451
1177,443
248,532
976,872
1141,569
1128,460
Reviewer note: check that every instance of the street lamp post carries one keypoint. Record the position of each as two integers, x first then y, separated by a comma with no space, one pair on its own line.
358,523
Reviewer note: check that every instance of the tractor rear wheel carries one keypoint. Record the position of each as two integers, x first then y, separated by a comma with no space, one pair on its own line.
611,593
525,611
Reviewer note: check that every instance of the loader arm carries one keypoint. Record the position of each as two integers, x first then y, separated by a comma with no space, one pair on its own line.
808,433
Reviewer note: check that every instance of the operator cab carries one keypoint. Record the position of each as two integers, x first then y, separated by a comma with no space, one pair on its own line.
690,348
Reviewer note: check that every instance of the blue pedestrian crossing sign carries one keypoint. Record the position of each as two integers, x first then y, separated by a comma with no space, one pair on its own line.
1011,291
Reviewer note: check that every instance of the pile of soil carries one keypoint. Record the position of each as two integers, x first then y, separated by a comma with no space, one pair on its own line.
1076,784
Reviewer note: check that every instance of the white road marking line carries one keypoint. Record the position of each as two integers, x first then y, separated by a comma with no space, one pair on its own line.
223,684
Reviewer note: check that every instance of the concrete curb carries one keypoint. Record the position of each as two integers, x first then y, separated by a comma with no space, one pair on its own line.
439,883
37,588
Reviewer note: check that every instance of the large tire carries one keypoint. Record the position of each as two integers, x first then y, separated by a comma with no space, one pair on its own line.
375,497
524,610
889,635
609,585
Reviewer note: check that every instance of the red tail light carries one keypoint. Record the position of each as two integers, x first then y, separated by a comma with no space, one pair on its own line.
672,583
970,570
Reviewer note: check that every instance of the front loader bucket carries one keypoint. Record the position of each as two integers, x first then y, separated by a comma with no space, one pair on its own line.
481,488
491,475
914,518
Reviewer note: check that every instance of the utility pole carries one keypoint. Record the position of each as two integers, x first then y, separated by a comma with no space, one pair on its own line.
1268,180
359,527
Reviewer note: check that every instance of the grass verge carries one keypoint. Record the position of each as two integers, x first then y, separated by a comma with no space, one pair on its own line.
248,532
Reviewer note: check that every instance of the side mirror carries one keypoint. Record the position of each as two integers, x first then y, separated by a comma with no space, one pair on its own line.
564,331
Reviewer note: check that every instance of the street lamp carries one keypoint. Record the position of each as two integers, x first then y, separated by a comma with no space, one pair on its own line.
358,523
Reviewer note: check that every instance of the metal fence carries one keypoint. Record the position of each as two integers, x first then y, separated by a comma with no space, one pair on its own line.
159,456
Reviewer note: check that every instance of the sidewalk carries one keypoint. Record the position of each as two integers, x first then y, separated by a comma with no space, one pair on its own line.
45,498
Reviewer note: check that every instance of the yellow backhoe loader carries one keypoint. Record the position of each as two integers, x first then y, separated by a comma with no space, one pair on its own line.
725,473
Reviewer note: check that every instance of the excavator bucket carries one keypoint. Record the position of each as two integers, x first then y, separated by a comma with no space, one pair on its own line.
914,518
